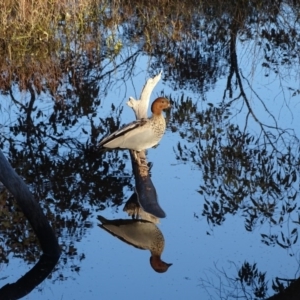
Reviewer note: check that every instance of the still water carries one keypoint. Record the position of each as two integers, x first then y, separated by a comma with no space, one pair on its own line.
213,226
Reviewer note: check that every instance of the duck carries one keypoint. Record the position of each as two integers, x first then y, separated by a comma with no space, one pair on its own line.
141,134
141,234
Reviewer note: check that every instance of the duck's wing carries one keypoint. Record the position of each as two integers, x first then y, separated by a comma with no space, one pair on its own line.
122,131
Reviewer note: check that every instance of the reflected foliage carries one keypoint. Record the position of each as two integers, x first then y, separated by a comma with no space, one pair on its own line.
65,172
240,172
189,40
249,276
247,283
201,52
254,175
15,237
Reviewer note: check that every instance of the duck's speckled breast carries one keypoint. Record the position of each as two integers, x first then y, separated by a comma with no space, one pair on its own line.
158,125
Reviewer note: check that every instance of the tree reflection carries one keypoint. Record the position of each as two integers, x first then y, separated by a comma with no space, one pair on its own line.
69,178
30,280
240,171
254,175
249,283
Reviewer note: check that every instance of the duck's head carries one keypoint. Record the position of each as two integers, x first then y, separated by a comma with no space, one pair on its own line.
159,104
158,265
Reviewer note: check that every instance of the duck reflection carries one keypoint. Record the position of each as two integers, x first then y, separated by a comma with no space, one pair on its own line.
141,234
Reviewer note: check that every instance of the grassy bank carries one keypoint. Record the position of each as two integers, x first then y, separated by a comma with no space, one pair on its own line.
40,40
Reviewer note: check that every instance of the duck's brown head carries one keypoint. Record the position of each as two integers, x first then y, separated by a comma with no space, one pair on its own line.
159,104
158,265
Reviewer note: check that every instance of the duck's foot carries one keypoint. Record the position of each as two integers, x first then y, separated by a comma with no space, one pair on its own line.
139,158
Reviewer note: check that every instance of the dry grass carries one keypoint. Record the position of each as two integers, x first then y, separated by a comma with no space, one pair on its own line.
37,37
34,34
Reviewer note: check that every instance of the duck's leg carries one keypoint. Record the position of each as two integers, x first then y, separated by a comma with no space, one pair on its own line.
136,156
140,162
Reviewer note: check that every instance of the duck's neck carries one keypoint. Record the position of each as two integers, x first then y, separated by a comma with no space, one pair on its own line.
157,115
157,249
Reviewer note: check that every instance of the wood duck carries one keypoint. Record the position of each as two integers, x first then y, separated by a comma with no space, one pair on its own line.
141,134
141,234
